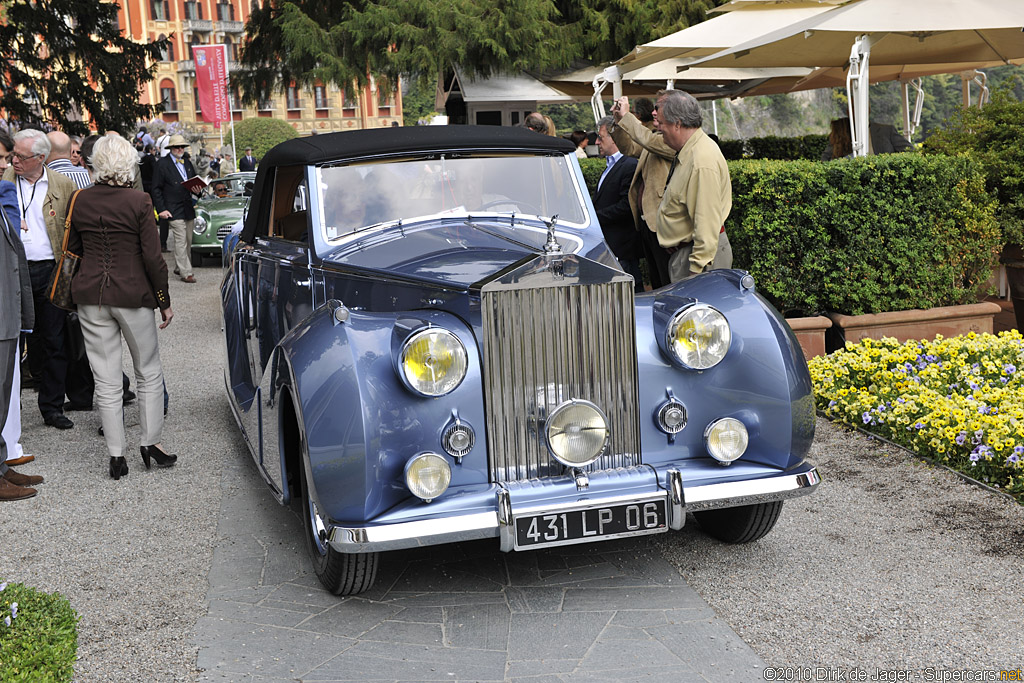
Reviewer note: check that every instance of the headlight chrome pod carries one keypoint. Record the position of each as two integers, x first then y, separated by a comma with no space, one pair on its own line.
199,225
458,439
576,433
432,362
427,476
726,439
698,336
671,416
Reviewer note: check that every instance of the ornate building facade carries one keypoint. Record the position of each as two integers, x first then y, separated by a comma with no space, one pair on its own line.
323,109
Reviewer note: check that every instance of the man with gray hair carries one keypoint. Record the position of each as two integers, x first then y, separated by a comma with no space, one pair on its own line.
698,197
43,197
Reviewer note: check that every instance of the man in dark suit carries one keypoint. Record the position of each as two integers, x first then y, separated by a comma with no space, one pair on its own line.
173,202
17,313
248,162
611,199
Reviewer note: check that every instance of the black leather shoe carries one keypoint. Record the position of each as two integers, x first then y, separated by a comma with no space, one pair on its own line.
59,421
127,396
118,468
69,406
162,459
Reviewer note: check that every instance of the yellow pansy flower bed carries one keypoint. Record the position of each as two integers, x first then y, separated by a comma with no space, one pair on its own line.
958,401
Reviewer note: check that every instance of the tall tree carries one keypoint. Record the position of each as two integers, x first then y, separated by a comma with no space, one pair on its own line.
343,41
63,59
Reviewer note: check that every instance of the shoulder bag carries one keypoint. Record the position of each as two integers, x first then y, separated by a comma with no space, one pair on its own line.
67,265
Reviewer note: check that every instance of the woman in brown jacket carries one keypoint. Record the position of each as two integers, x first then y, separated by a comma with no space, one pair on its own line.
122,278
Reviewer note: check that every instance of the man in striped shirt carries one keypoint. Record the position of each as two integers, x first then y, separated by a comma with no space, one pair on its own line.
60,160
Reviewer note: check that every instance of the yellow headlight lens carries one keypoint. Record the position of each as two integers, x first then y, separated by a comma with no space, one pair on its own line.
699,337
433,362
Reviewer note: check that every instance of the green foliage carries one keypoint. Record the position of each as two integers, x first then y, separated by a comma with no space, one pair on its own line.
261,134
417,104
994,137
82,37
571,116
881,233
773,147
41,643
592,169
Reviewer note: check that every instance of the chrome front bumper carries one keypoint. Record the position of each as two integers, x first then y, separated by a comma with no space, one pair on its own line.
497,523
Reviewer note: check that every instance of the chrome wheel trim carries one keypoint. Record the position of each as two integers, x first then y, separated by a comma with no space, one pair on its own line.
319,531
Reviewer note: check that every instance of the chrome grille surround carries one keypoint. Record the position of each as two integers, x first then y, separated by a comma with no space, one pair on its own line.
557,328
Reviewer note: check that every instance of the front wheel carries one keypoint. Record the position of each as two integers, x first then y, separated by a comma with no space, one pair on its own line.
741,524
340,573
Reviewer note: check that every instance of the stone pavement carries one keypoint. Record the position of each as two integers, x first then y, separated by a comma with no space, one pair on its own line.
613,611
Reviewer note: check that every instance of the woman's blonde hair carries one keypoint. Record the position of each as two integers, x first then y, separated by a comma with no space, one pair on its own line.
113,161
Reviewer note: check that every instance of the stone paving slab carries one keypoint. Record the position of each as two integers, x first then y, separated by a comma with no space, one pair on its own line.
614,611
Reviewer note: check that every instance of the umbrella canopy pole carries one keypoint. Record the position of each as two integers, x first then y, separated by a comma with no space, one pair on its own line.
610,75
911,121
857,92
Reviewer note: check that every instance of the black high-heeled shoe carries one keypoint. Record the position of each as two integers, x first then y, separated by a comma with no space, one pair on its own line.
118,468
162,459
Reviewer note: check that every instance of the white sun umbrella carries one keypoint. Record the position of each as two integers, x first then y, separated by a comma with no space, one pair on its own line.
918,35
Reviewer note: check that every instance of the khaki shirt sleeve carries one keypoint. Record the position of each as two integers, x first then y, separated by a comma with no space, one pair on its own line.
704,197
632,138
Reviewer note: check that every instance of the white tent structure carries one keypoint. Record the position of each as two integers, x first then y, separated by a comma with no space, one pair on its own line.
908,37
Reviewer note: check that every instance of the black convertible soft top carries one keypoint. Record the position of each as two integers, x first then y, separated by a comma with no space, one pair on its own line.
335,146
318,149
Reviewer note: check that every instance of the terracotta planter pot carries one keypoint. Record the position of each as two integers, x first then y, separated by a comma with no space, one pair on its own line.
948,321
810,332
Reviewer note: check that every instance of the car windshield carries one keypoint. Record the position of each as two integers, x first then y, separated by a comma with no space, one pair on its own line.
226,187
358,196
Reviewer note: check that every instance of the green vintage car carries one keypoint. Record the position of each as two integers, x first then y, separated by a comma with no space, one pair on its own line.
220,207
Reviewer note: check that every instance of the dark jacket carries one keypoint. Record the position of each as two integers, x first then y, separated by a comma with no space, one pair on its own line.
147,164
168,193
114,230
613,212
16,308
244,164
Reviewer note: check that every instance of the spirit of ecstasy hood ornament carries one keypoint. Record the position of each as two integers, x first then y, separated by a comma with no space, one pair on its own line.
551,246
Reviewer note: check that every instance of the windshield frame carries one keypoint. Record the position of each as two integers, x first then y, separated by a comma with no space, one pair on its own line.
576,191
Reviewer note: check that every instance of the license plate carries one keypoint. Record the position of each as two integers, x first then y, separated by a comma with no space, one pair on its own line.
591,524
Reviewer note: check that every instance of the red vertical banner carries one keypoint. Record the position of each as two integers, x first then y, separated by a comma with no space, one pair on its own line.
212,81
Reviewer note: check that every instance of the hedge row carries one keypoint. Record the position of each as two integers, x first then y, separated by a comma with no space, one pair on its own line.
882,233
773,147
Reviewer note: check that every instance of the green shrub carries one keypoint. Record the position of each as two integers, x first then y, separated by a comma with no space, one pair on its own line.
592,169
261,133
881,233
994,137
41,643
774,147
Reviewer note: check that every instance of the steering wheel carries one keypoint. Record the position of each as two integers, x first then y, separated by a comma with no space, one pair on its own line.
521,207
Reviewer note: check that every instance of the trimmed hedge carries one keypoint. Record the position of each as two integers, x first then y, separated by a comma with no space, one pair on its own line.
41,642
882,233
592,169
807,147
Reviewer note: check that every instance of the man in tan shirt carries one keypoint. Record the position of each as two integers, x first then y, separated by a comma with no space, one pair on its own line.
698,196
654,158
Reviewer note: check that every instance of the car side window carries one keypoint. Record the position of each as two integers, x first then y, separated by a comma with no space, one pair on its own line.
291,204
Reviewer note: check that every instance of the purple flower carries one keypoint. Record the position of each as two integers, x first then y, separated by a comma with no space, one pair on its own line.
900,400
866,417
960,438
1009,368
14,610
1016,449
831,403
919,425
975,457
1004,380
1013,458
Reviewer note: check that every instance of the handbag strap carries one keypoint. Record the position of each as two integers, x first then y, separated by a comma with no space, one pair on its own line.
67,220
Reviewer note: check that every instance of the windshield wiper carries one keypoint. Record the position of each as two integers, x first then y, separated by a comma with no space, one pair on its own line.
539,249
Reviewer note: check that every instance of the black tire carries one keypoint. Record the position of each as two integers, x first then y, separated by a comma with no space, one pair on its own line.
740,524
197,259
340,573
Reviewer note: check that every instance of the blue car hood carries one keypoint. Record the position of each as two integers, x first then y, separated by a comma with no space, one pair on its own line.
448,252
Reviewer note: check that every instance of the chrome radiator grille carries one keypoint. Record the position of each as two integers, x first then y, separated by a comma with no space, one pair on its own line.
544,345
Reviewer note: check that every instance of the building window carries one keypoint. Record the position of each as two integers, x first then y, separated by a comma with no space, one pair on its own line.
195,101
235,99
385,98
232,48
255,6
168,97
225,11
160,10
292,95
193,10
349,105
320,95
167,54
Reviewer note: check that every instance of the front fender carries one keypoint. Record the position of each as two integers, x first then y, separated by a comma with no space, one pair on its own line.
360,423
763,380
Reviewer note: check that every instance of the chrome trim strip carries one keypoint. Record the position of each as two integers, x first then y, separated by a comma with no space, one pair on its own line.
676,500
427,532
748,492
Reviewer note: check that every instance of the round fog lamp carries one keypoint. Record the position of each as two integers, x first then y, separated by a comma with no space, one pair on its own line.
427,476
726,439
433,362
576,432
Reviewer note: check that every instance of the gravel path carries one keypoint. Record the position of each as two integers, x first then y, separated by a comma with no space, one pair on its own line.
131,555
891,564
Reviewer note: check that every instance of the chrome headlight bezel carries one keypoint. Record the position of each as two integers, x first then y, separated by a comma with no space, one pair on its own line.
200,224
705,357
451,343
561,411
714,447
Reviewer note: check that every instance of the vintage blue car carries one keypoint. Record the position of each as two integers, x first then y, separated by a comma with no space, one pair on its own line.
428,341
